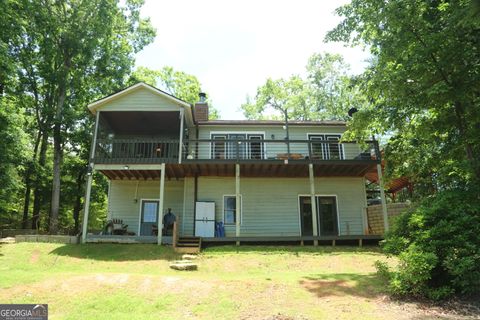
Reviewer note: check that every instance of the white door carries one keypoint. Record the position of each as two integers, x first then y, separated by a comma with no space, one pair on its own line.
204,228
205,211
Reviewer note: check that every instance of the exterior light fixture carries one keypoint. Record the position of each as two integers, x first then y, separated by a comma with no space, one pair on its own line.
352,111
89,170
126,167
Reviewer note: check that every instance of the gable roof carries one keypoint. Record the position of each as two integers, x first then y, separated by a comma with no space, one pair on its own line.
97,104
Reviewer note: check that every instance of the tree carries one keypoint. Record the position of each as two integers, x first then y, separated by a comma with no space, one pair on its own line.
423,92
422,86
327,92
177,83
69,53
14,155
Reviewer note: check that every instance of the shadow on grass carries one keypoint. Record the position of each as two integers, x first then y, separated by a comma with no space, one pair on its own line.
276,249
345,284
117,252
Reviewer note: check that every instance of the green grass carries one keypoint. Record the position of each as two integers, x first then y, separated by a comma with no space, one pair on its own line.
105,281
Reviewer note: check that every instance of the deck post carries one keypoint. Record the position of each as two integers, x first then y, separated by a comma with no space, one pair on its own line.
160,204
314,203
86,207
88,191
237,201
180,143
382,197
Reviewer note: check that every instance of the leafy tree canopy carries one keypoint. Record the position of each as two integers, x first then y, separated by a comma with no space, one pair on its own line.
422,85
326,92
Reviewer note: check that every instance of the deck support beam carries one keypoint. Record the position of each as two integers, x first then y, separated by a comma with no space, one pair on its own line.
382,198
180,143
314,203
238,204
160,204
86,207
88,191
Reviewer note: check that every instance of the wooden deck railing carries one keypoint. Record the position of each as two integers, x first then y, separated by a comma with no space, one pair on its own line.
136,151
152,151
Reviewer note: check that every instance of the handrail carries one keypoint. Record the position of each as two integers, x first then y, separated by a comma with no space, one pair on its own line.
154,150
174,234
277,141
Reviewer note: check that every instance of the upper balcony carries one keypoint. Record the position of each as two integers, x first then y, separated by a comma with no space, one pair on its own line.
111,150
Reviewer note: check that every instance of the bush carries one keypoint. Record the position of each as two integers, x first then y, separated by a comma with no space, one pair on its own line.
438,246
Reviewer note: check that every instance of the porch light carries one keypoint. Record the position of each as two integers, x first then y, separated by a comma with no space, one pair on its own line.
89,170
126,167
111,136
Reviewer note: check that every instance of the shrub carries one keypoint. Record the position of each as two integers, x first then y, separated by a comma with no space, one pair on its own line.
438,246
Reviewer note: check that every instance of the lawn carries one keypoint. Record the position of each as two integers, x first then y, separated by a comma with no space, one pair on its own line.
103,281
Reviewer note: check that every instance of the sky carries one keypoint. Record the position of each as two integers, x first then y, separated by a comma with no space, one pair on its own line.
232,47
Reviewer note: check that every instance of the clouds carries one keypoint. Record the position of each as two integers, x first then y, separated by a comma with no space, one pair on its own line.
233,46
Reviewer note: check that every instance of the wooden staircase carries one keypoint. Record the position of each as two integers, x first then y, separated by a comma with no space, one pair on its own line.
185,244
188,245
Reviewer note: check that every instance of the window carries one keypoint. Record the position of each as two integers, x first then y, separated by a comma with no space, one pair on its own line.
149,211
230,209
255,146
218,147
324,150
236,146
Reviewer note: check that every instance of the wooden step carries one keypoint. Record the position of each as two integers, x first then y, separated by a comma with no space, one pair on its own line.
189,250
188,245
184,265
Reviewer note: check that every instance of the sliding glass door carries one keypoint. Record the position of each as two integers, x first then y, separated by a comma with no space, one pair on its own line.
327,215
326,147
237,146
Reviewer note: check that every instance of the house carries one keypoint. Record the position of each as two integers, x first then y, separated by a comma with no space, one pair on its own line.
159,152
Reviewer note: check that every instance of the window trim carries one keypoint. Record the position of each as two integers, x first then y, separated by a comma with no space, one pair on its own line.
223,209
325,146
317,195
247,149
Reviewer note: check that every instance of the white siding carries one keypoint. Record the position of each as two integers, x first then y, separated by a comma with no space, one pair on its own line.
121,203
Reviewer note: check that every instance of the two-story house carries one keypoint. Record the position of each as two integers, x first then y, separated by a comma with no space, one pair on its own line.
159,152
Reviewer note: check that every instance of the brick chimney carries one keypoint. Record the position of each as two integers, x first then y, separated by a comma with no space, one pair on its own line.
201,108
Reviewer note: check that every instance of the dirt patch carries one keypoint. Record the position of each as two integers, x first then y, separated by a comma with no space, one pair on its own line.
35,256
327,288
72,286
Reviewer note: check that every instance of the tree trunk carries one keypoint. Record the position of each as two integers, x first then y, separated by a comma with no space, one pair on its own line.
462,127
39,187
28,182
57,159
78,202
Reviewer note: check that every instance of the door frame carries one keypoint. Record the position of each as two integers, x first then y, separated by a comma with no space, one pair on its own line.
318,220
140,213
247,134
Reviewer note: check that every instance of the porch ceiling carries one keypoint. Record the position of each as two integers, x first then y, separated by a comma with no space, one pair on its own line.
143,122
176,171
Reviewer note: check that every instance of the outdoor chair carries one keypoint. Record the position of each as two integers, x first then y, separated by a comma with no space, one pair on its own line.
119,227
